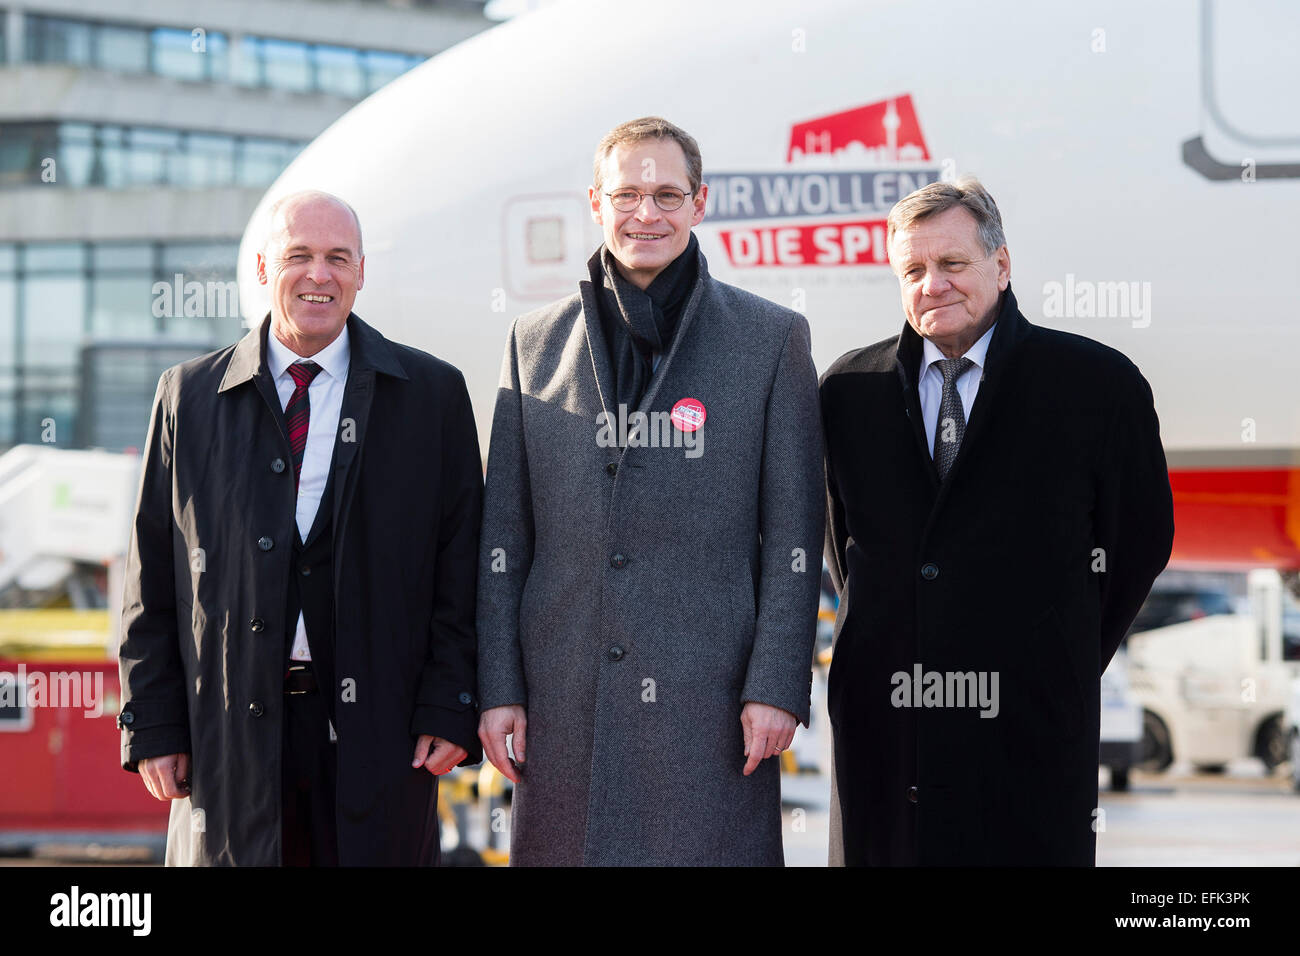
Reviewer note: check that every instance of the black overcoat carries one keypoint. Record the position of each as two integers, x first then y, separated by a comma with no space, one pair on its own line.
203,654
1029,561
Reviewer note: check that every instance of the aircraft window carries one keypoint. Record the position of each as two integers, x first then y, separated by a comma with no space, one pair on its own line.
545,239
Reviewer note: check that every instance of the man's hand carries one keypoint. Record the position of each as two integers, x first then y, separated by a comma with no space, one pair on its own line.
167,778
445,754
768,731
493,726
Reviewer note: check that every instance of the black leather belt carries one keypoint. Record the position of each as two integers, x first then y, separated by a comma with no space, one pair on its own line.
300,679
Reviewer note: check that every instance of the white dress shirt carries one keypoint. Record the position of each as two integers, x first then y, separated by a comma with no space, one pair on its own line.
325,404
930,382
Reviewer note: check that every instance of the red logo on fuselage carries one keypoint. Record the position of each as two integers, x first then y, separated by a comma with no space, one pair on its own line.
884,132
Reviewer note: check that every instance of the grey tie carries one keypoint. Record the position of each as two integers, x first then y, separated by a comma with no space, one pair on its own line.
951,426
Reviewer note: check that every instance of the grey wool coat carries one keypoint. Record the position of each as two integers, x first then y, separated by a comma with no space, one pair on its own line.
632,599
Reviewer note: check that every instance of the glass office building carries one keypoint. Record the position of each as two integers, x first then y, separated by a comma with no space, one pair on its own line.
134,145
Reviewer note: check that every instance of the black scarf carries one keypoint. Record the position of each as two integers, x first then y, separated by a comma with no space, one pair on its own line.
637,324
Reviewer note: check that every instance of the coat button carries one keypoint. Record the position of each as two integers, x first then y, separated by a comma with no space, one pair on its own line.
929,570
615,653
257,624
611,469
277,465
618,560
306,570
465,698
256,708
911,794
125,719
265,543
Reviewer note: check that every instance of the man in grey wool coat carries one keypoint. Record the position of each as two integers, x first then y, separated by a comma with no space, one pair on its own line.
649,555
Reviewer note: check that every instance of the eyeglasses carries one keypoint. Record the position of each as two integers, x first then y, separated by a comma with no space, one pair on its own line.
625,200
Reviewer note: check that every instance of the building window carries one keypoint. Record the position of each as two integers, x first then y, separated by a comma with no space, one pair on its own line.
288,66
124,49
64,303
252,61
174,54
340,71
74,147
88,154
210,159
383,67
51,40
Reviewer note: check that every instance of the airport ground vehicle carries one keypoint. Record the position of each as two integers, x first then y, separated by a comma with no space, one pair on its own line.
1214,689
1165,606
59,699
1121,722
1292,723
64,517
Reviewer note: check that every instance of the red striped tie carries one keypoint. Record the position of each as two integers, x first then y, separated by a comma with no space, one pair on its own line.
298,412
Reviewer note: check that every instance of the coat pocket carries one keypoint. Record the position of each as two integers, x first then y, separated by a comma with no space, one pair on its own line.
741,577
705,631
532,620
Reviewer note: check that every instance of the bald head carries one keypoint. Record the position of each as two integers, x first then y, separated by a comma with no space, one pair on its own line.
308,201
313,265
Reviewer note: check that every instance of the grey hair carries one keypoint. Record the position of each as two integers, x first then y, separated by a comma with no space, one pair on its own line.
307,194
935,198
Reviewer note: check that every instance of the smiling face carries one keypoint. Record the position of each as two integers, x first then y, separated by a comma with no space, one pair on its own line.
950,285
646,239
314,267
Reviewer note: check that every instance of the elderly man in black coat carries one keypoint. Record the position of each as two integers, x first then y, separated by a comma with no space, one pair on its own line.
999,506
298,654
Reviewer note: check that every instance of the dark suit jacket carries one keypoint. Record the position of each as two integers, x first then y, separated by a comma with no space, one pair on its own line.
1029,561
202,656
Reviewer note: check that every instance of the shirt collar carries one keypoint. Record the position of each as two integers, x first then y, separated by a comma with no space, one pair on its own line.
333,358
977,353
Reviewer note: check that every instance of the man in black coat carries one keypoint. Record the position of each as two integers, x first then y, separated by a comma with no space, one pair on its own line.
999,506
298,654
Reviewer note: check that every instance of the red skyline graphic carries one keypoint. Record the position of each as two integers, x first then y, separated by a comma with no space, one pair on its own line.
887,131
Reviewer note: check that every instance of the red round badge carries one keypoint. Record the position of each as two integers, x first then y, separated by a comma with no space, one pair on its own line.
689,414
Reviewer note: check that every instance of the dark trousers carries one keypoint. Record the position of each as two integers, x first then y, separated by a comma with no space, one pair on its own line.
309,834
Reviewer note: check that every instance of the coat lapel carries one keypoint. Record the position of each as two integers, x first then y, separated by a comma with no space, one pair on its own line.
598,349
1011,329
906,363
694,305
248,364
370,354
